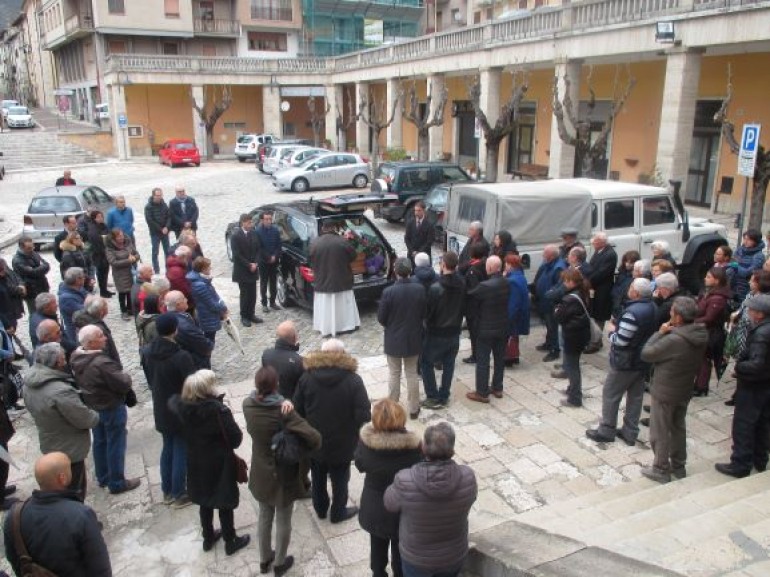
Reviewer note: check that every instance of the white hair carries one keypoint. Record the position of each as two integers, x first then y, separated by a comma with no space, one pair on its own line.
172,300
660,245
667,280
96,307
421,259
183,252
88,334
642,287
333,346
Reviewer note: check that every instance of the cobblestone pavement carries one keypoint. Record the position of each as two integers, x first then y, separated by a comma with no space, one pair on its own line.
526,450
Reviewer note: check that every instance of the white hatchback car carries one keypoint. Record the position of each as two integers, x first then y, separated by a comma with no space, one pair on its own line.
332,170
19,117
247,145
6,104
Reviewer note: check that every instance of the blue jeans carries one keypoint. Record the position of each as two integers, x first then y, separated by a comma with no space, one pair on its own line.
156,240
438,349
412,571
110,447
485,346
173,465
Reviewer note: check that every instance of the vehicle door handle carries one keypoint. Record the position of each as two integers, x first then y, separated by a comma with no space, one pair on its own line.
648,241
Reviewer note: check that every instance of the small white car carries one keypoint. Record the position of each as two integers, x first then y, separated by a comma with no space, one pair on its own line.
300,156
331,170
6,104
247,145
19,117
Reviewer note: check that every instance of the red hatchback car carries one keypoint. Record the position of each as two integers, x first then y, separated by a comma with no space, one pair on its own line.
179,151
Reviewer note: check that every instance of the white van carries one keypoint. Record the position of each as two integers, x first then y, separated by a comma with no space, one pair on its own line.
632,215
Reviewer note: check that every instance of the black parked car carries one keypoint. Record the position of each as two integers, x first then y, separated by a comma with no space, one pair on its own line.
411,181
299,222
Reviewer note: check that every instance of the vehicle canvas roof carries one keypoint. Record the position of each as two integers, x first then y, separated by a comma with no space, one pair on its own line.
519,208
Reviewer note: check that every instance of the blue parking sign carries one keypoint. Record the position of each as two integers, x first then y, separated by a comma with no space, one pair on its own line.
747,157
122,121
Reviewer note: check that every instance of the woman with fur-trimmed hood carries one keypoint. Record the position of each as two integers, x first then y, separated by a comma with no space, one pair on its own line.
385,447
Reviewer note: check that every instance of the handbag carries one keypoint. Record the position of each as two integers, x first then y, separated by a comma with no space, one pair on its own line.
596,332
241,468
28,566
286,446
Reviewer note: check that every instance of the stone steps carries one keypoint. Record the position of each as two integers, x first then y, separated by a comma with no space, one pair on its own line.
705,525
25,150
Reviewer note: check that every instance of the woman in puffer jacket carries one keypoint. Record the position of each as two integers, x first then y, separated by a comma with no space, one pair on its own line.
209,306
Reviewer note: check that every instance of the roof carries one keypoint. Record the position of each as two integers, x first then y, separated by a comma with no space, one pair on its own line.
54,190
9,11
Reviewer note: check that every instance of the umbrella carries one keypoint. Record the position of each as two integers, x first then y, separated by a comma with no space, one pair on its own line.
232,332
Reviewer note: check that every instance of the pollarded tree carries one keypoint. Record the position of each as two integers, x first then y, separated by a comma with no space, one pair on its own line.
506,121
587,153
422,118
342,123
210,112
374,113
317,121
761,176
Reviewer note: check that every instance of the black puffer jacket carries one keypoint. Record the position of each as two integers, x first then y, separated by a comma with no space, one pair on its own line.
753,366
401,311
287,363
61,534
491,297
211,434
333,399
574,321
157,216
166,366
434,499
380,455
446,306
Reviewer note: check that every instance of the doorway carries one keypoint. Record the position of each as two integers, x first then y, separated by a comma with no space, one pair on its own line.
521,140
704,154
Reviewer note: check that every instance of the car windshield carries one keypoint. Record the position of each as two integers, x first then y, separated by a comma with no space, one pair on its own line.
54,204
184,146
387,172
17,110
245,139
437,196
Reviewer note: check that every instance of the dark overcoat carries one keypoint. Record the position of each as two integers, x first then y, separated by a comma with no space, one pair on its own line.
245,250
402,312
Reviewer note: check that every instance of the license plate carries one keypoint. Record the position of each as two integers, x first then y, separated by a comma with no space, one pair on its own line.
187,160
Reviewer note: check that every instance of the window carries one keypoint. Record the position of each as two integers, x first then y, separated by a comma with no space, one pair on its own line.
657,210
618,214
170,48
116,7
101,196
206,10
415,179
280,10
171,8
58,204
267,41
471,209
452,174
209,50
116,46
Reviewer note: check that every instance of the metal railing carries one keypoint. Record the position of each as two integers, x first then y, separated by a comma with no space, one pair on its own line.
217,26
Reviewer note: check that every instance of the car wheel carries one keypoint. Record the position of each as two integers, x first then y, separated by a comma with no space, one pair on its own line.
360,181
241,159
228,247
198,164
300,185
282,292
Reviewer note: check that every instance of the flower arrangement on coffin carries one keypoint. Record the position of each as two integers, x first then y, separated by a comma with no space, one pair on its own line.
368,250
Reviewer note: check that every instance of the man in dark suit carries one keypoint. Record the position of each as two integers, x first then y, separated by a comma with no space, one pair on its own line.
183,212
419,232
245,248
602,275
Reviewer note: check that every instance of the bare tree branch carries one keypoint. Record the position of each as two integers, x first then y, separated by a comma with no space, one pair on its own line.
317,120
558,112
728,128
210,116
424,121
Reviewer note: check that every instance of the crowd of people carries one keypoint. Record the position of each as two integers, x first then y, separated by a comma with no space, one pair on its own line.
416,499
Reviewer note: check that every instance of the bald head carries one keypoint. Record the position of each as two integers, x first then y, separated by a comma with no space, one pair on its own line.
494,265
48,331
52,472
286,331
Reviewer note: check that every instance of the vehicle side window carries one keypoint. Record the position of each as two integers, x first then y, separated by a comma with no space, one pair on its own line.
346,159
471,209
415,179
100,196
657,210
327,162
298,234
618,214
452,174
280,221
89,197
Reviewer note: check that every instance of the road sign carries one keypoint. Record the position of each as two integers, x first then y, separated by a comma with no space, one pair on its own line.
122,121
747,157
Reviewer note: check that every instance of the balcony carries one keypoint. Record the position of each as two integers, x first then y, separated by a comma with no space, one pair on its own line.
216,27
280,12
74,27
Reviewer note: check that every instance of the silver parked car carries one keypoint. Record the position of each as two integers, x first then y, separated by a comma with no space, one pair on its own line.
334,169
273,160
43,220
300,156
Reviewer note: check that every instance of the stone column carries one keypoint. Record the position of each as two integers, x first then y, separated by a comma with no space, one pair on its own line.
271,110
677,115
490,104
199,130
334,99
436,133
395,130
117,101
562,160
362,129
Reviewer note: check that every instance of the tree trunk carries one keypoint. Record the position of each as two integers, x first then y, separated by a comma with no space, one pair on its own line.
209,143
423,145
493,152
758,195
375,152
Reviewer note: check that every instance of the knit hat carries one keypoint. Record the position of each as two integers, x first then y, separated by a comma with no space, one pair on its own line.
166,324
760,303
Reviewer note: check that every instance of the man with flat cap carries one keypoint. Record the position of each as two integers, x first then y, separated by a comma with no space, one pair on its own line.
569,241
751,420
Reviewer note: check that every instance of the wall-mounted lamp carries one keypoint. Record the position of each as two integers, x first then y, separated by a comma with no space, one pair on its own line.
665,33
273,83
